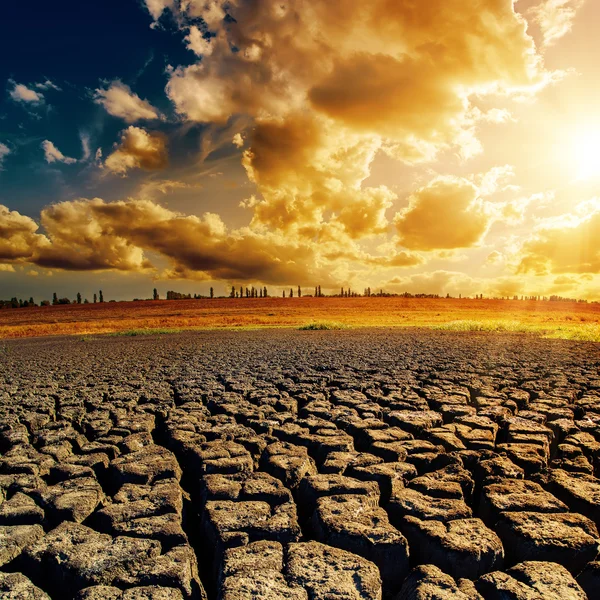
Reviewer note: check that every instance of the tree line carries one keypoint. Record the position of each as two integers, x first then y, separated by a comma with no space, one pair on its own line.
263,292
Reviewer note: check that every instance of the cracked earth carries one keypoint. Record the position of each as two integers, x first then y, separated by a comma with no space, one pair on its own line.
362,464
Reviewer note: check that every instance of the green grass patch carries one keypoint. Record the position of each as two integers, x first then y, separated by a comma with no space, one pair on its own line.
323,326
583,332
494,326
136,332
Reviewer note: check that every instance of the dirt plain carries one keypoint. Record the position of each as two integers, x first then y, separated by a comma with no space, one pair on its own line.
110,317
303,465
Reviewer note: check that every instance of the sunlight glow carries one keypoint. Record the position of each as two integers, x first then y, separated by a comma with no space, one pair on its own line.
585,153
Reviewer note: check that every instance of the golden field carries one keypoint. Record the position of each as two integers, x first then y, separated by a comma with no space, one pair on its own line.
556,319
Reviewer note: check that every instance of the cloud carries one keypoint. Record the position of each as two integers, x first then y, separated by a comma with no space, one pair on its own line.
555,18
52,154
79,239
119,101
21,93
238,140
569,244
85,145
4,152
18,237
447,213
48,85
6,268
138,149
396,77
384,76
197,42
157,7
94,235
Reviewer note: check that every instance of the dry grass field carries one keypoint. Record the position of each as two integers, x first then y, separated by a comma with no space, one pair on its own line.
554,319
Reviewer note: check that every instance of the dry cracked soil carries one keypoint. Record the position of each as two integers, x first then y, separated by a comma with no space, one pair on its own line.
271,465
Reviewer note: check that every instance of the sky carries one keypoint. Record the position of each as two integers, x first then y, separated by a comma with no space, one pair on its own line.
426,147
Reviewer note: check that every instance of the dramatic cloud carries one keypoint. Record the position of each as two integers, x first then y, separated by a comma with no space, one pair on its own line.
79,239
4,152
21,93
312,94
138,149
53,154
92,235
570,244
198,43
384,76
446,214
119,101
453,212
555,18
18,237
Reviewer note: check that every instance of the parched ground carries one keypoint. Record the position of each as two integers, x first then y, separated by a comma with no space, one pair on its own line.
300,465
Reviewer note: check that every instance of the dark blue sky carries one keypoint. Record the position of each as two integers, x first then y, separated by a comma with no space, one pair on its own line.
77,45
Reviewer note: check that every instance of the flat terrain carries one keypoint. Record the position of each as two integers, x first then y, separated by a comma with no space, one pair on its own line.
304,465
219,313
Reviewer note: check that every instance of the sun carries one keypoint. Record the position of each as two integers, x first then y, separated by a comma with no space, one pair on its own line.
585,153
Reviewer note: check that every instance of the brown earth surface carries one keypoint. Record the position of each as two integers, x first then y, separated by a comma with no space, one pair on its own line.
267,465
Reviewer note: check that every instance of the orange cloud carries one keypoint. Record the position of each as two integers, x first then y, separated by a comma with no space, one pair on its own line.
446,214
555,18
138,149
567,245
18,235
119,101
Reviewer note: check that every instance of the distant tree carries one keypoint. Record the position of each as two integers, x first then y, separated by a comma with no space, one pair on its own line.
101,296
95,299
320,295
291,293
299,292
54,298
155,295
241,292
260,293
31,302
45,303
283,293
316,290
232,295
78,298
212,293
86,301
265,295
